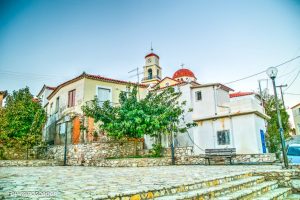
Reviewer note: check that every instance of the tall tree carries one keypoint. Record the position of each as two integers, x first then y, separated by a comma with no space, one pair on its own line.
273,136
158,113
21,119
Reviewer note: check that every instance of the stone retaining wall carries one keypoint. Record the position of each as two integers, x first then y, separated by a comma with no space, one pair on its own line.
128,162
285,178
96,151
96,154
255,158
28,163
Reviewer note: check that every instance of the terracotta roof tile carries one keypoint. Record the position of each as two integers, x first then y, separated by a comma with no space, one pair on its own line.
94,77
240,94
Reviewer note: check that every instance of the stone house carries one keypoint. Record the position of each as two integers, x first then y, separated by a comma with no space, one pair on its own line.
68,98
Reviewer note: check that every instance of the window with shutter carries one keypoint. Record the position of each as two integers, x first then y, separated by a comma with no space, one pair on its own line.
71,98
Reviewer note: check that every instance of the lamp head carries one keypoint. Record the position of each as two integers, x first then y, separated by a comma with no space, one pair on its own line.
272,72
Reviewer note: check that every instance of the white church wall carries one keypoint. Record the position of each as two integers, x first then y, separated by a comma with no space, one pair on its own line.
260,124
245,134
205,107
203,137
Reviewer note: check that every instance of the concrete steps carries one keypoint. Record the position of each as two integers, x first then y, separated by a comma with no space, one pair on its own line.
279,193
251,192
235,187
293,197
221,189
246,188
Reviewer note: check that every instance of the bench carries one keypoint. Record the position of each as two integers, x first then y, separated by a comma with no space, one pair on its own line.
226,152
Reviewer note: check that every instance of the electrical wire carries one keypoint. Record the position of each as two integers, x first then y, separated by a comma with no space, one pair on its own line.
291,93
194,142
288,73
28,74
289,85
262,71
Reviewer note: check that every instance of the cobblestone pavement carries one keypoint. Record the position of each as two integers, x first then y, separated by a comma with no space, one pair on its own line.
87,182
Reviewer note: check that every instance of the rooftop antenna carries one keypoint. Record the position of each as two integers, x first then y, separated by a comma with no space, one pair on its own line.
138,77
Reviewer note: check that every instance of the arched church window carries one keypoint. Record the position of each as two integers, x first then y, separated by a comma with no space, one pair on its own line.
149,73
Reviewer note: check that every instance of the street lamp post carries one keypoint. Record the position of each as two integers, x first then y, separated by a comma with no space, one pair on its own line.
272,73
67,119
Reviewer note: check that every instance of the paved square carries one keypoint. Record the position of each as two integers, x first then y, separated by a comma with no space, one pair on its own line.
86,182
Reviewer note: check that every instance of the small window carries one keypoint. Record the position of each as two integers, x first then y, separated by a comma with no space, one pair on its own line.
167,84
149,73
198,96
223,137
103,95
71,98
57,105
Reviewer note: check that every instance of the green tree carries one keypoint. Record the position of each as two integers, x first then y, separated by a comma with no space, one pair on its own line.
273,136
21,120
158,113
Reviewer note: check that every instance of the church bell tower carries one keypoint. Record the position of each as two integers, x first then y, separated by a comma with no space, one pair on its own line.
152,70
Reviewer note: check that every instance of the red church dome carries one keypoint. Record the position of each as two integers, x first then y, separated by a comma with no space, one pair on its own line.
183,72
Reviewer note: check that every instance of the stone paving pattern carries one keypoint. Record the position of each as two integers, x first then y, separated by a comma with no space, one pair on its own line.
86,182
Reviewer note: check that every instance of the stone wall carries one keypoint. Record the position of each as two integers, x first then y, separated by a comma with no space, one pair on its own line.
114,153
28,163
285,178
254,158
22,153
129,162
82,153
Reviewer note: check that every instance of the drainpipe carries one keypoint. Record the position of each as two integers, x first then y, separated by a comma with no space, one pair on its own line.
215,100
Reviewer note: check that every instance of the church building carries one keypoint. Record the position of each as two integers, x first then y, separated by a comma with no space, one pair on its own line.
224,119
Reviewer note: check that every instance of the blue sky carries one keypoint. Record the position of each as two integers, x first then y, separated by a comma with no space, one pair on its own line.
50,41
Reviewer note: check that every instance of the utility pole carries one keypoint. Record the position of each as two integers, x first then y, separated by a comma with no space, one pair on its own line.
281,86
260,91
67,119
138,78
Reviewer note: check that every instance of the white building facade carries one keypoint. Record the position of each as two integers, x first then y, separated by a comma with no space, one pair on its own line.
224,119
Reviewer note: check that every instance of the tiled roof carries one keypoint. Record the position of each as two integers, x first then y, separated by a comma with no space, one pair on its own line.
176,84
93,77
45,87
240,94
224,87
295,106
50,88
151,54
97,77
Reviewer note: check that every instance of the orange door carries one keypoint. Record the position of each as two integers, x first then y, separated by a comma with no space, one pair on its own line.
76,130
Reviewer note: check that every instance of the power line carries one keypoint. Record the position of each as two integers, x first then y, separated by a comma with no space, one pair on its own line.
291,93
293,81
28,74
263,71
288,73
